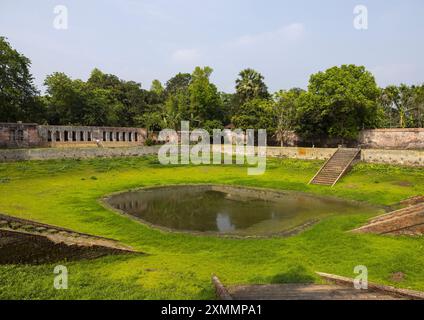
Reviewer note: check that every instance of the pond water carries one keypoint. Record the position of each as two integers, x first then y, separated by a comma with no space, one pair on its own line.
230,210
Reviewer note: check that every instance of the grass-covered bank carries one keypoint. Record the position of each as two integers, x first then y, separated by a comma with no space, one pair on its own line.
66,193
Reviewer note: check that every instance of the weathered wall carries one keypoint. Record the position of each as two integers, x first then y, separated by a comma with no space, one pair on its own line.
30,135
398,157
397,139
401,157
19,135
83,136
73,153
301,153
392,139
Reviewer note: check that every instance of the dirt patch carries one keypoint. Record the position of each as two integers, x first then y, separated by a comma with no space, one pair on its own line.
403,184
397,277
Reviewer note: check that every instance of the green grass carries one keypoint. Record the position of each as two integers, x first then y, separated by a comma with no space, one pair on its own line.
179,266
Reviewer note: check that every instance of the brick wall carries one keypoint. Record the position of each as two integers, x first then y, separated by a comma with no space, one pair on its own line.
27,135
392,138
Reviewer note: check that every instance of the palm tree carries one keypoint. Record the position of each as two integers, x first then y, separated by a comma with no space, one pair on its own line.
250,85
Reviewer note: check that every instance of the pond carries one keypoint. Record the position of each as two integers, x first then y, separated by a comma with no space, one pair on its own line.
227,210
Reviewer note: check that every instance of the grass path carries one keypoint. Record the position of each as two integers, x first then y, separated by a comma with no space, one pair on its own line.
178,266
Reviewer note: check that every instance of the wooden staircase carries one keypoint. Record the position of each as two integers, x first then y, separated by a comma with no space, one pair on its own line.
335,167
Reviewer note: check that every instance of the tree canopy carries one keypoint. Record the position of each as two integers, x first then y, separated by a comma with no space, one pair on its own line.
17,91
250,85
338,102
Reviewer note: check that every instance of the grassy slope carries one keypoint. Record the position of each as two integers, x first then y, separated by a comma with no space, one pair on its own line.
179,266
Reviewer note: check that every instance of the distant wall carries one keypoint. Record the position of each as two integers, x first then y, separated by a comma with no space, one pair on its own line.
85,136
397,157
32,135
301,153
73,153
400,157
406,139
402,139
19,135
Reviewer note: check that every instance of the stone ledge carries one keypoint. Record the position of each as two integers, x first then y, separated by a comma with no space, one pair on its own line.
402,293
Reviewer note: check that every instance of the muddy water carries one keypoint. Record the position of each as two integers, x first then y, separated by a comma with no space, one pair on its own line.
227,210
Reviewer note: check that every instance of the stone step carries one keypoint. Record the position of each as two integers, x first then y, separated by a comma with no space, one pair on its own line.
324,182
303,292
3,223
395,224
335,166
398,213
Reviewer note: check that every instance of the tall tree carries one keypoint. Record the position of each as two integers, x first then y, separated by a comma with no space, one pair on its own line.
403,105
179,82
157,87
417,112
17,91
129,100
250,85
78,103
205,101
255,114
285,108
340,102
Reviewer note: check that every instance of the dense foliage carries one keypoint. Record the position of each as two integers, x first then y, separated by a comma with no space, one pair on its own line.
338,102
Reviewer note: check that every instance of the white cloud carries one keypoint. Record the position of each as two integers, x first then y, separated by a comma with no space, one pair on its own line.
292,32
186,56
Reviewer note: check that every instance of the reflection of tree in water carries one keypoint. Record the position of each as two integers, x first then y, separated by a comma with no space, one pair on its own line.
202,209
191,209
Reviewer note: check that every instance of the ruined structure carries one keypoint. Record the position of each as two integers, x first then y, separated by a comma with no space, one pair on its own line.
27,135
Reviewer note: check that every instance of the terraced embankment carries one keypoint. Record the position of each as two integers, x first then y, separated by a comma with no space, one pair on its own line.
25,241
406,221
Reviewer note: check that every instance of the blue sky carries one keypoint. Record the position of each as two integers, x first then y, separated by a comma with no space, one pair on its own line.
286,40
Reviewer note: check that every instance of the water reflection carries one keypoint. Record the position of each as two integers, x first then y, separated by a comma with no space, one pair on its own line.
228,211
223,223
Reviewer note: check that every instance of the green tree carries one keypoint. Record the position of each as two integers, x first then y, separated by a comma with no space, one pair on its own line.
205,101
402,105
78,103
157,87
128,99
340,102
417,111
286,104
230,106
178,83
62,99
17,91
255,114
250,85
